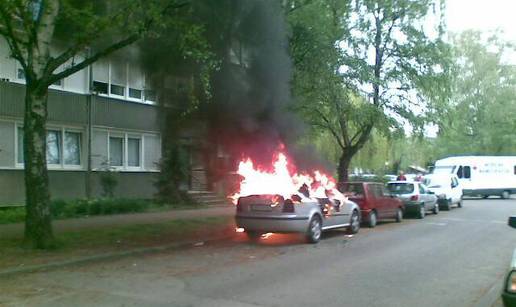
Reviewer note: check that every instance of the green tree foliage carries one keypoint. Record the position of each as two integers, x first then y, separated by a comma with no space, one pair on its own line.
367,64
52,39
480,117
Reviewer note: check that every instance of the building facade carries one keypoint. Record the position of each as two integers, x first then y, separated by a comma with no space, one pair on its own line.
112,125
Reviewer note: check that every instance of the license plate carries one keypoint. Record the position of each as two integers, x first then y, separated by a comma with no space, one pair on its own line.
261,208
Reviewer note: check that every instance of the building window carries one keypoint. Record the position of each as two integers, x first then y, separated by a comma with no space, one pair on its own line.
100,87
121,80
58,83
116,151
133,152
20,145
135,94
150,95
60,143
53,147
117,90
72,148
20,74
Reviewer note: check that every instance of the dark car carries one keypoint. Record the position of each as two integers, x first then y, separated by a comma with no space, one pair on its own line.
415,196
509,287
374,203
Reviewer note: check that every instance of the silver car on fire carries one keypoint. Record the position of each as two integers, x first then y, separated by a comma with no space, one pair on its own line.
258,214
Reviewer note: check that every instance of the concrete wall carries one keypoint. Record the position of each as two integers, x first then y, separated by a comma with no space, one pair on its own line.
71,108
72,185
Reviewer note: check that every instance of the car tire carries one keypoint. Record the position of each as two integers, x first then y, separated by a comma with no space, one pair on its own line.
399,215
422,212
459,204
314,232
448,205
372,219
354,223
485,196
435,210
506,195
253,235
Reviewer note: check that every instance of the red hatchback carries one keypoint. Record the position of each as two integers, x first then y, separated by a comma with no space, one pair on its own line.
374,203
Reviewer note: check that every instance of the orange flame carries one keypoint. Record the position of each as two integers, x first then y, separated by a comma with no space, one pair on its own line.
280,181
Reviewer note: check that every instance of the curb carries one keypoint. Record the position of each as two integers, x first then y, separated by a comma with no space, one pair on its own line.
107,256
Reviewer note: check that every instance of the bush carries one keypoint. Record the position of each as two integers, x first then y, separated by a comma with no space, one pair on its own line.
101,206
108,183
12,215
61,209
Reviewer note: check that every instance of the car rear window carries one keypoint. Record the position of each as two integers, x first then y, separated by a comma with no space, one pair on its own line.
400,188
353,189
435,182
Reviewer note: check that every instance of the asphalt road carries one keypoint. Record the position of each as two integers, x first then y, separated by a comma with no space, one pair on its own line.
456,258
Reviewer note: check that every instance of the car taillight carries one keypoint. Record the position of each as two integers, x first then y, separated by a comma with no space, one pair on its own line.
288,206
414,197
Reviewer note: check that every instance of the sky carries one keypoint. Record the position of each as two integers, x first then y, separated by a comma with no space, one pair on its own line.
482,15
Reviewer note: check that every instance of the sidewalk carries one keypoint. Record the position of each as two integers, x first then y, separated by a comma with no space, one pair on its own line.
96,222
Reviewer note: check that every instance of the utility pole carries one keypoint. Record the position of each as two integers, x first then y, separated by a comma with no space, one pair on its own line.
89,102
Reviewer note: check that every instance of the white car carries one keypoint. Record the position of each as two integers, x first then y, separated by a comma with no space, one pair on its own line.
447,189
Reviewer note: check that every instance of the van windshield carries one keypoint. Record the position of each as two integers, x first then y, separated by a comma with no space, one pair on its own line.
443,169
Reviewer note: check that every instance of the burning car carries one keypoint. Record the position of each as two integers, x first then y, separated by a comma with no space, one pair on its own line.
281,200
258,214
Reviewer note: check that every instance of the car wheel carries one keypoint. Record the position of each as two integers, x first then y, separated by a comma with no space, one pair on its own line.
485,196
422,212
459,204
448,205
354,223
372,219
435,210
399,215
506,194
253,235
313,234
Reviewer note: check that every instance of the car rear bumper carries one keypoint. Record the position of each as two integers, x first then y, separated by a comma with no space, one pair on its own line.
365,214
509,299
412,206
287,223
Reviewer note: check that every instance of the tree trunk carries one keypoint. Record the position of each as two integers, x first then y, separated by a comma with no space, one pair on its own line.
343,168
38,224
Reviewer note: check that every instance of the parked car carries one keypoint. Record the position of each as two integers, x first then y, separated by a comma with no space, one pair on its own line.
447,189
374,203
258,214
390,177
509,287
415,196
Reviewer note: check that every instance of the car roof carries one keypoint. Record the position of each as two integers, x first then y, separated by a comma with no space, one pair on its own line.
403,181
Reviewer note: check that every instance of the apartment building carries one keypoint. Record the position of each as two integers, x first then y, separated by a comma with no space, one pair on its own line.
111,125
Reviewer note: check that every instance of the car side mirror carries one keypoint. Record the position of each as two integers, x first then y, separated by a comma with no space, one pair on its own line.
512,221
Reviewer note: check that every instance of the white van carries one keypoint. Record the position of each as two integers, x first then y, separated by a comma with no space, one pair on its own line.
447,189
481,175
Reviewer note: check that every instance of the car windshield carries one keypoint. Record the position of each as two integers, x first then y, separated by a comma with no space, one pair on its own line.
400,188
